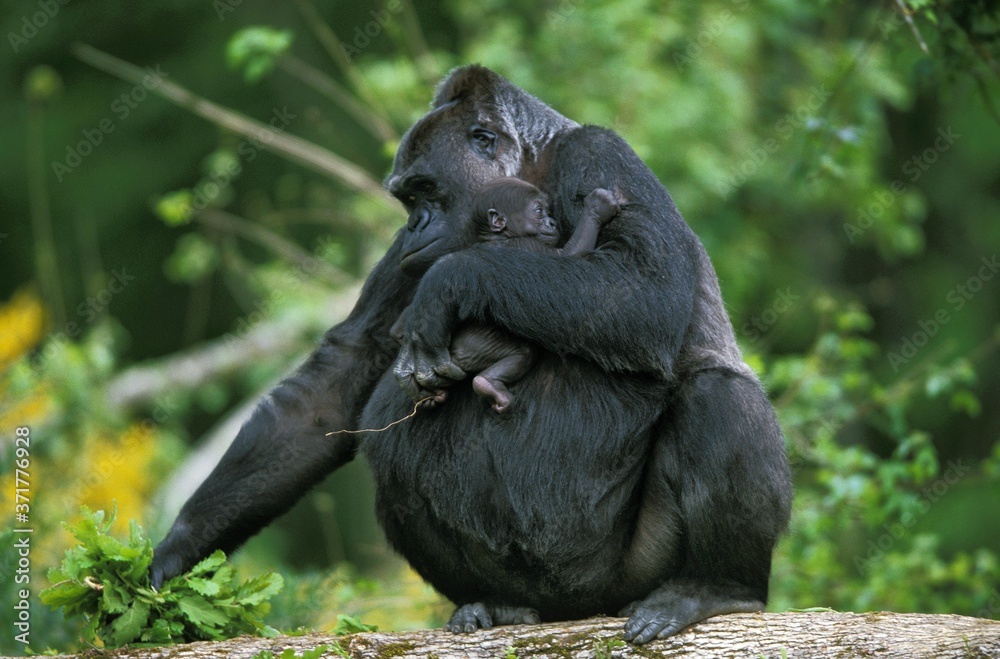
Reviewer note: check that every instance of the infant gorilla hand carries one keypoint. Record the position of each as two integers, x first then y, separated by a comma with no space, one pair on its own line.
602,203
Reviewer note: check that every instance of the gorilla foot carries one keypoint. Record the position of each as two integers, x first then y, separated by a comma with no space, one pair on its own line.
493,390
673,607
471,617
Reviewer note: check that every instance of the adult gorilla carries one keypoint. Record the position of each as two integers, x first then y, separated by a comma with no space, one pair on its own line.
640,469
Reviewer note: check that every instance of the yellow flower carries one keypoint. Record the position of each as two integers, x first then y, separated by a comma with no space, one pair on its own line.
117,471
22,321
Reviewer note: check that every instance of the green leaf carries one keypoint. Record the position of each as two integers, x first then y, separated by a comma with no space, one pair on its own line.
210,564
350,625
203,586
175,208
65,593
158,633
194,257
115,599
199,611
260,589
128,626
257,50
111,549
268,632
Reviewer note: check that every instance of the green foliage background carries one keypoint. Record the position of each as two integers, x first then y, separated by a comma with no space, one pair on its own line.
840,161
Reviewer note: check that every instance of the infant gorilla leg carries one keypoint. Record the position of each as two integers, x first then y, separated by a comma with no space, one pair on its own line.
500,358
490,383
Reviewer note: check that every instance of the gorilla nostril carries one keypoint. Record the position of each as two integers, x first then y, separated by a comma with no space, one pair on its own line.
419,219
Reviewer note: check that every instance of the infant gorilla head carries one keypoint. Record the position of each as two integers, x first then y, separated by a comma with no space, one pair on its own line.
512,208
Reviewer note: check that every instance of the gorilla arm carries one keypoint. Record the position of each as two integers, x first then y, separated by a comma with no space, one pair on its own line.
282,450
625,306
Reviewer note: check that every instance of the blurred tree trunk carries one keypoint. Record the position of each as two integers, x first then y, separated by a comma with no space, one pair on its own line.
808,634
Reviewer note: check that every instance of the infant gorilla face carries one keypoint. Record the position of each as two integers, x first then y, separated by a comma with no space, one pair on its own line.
512,208
534,221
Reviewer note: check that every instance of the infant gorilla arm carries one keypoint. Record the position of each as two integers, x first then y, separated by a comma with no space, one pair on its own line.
514,213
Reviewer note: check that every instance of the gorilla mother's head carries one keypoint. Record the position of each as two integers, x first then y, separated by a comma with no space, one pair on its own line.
480,127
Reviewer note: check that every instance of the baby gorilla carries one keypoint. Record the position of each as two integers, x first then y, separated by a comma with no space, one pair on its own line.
510,212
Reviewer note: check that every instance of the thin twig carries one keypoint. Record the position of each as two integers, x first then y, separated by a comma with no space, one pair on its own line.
416,408
335,49
271,339
327,86
418,45
904,10
233,224
294,148
46,258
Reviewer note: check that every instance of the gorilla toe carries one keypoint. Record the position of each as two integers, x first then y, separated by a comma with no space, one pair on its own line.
468,618
673,607
471,617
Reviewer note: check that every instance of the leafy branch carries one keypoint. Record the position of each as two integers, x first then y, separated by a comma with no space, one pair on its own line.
106,580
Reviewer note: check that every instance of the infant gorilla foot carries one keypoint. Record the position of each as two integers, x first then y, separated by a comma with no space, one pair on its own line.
493,390
470,617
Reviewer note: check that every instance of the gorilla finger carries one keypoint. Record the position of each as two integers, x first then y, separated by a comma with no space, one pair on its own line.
431,399
482,616
450,370
670,629
643,633
638,625
431,381
403,367
468,618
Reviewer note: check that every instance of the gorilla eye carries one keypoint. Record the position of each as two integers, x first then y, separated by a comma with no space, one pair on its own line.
484,141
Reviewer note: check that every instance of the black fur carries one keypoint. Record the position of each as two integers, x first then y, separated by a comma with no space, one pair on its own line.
643,470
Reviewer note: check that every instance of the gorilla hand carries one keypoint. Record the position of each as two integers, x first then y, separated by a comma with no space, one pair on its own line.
424,367
175,555
424,373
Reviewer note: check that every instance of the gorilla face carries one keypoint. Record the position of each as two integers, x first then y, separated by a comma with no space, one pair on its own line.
443,160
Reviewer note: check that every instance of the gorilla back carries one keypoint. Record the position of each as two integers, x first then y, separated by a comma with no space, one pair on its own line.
641,465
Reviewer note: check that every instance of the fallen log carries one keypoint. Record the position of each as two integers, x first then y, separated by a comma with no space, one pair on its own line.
822,634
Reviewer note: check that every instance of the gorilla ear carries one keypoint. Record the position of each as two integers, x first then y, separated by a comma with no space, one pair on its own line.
497,220
463,82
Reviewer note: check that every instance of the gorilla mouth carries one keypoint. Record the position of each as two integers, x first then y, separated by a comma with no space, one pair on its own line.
408,255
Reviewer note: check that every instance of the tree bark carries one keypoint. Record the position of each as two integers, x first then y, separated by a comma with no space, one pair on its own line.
770,635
